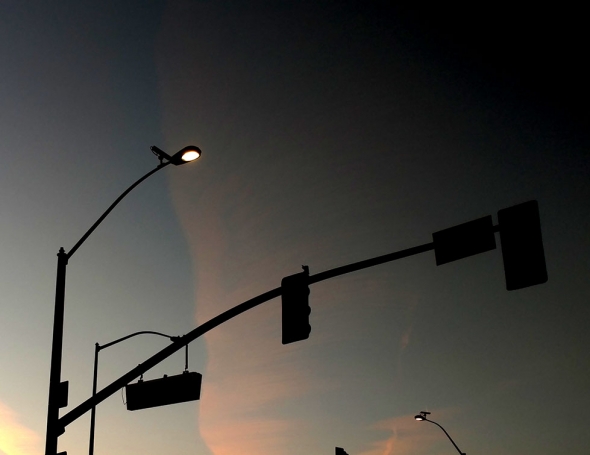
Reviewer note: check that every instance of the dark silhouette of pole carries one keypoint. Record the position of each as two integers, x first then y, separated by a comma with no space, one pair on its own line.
97,349
57,393
422,416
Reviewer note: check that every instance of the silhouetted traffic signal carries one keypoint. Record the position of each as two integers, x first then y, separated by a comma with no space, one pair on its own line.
340,451
296,309
161,392
522,245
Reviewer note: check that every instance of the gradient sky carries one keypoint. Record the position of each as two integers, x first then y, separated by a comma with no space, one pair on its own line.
332,132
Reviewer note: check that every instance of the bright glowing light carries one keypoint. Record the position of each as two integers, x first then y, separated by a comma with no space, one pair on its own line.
190,155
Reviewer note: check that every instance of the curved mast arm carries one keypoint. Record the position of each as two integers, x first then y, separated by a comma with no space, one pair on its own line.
113,205
448,436
104,346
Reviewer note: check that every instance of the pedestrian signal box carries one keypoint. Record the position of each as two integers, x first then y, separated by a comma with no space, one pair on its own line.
164,391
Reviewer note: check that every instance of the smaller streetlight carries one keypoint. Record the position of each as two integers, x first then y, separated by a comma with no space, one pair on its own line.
422,416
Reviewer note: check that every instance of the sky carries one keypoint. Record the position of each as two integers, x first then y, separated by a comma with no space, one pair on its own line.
331,132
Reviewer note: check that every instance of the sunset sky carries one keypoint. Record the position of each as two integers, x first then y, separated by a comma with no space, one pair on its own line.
332,132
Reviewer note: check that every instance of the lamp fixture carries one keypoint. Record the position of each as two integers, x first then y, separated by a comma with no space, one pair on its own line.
185,155
421,416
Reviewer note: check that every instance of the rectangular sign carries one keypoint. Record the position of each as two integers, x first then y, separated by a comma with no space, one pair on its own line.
464,240
163,391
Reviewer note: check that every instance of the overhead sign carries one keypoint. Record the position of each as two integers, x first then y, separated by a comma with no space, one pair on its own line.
464,240
164,391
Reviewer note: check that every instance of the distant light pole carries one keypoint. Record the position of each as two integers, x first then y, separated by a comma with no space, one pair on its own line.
422,416
58,391
97,349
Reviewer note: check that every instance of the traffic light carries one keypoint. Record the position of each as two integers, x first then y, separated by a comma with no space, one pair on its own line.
296,309
522,245
340,451
161,392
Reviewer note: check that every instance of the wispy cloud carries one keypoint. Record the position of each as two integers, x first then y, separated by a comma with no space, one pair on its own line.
15,438
249,436
246,383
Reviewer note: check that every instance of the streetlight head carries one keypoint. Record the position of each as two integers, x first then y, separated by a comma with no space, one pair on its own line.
190,153
421,416
186,155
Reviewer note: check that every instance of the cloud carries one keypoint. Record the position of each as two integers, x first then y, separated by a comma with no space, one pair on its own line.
251,436
246,383
15,438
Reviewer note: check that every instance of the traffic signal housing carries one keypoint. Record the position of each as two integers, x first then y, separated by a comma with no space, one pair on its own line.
295,307
522,245
340,451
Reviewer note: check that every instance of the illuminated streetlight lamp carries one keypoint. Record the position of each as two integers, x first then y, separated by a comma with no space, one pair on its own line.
186,155
422,416
58,390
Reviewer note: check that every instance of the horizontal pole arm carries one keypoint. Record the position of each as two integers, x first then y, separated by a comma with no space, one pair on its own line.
369,263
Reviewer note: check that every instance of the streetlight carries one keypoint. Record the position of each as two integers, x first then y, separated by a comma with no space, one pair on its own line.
422,416
58,391
186,155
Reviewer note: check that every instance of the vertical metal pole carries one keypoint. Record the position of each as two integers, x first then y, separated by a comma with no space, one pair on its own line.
186,359
53,432
93,410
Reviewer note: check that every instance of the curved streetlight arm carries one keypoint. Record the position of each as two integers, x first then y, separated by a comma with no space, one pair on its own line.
113,205
146,332
448,436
